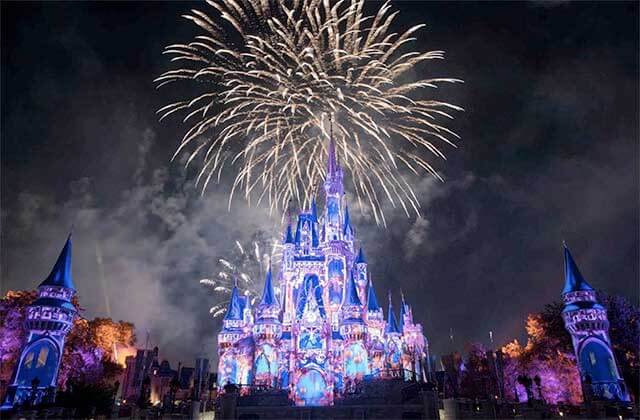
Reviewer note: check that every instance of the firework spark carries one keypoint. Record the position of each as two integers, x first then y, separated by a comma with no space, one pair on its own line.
271,77
246,267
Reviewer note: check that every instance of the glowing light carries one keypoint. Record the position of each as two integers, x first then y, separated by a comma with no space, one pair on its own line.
267,97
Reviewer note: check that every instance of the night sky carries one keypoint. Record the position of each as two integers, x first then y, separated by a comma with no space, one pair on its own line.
549,152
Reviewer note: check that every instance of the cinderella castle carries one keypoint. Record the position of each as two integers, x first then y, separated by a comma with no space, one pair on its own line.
328,330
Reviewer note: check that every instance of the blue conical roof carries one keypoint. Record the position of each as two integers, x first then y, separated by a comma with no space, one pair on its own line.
288,236
403,311
351,298
268,295
234,312
573,280
314,210
348,229
392,324
372,300
61,273
360,259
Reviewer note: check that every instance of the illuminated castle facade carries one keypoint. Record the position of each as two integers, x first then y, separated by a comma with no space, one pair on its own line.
586,320
323,330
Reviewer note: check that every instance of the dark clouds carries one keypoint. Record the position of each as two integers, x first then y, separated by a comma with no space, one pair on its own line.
549,153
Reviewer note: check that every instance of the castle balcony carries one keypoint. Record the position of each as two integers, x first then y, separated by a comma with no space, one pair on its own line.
55,292
579,296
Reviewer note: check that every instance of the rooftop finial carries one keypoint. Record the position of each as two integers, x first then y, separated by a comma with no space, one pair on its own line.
332,161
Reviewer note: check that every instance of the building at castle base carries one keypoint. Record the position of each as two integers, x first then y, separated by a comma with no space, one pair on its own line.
324,330
49,320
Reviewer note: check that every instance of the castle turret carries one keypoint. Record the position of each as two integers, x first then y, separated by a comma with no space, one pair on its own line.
393,340
375,330
49,319
352,311
267,331
415,346
233,320
348,232
586,320
354,331
268,309
235,343
314,210
287,277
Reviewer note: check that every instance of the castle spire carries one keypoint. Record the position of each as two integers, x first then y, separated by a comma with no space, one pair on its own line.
347,229
403,312
268,295
332,161
234,311
61,272
573,280
288,236
314,210
351,297
372,300
334,190
360,258
392,324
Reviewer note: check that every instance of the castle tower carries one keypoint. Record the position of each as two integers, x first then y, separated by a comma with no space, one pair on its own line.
49,320
361,275
267,331
393,340
414,342
348,232
287,277
354,331
235,346
334,189
586,320
375,331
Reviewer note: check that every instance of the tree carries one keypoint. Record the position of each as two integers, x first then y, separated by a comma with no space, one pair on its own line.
478,379
13,335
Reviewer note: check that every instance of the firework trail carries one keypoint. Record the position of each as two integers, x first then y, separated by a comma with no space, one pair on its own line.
246,267
271,75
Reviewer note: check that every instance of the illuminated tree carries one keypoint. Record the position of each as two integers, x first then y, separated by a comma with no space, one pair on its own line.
88,352
12,333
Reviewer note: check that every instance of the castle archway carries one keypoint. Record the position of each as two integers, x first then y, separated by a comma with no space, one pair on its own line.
597,361
40,361
311,389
